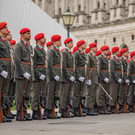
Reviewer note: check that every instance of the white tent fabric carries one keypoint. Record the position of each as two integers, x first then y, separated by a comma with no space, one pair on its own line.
24,13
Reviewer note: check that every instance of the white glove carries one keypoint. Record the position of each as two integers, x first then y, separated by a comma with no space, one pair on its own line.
72,79
127,81
133,81
88,82
81,79
57,78
27,75
42,77
4,74
106,80
120,80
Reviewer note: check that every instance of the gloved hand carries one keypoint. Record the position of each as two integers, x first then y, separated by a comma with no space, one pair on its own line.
42,77
106,80
81,79
88,82
57,78
72,79
120,80
27,75
133,81
4,74
127,81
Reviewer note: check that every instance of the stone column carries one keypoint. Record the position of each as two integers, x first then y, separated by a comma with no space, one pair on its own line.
76,5
56,10
131,12
44,5
94,12
120,11
82,13
113,11
63,9
37,2
101,12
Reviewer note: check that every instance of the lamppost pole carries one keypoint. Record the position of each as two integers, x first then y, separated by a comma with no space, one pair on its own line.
68,31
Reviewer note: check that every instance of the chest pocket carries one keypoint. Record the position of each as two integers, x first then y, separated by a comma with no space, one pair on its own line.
117,65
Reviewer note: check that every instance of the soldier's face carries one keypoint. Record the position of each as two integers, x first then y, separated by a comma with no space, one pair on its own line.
109,57
13,45
94,49
126,54
106,52
4,30
133,57
58,43
49,47
43,40
70,44
83,46
9,37
27,36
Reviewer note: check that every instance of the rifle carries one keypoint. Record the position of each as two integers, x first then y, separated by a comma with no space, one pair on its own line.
80,108
125,104
116,104
1,112
21,116
53,109
39,104
133,103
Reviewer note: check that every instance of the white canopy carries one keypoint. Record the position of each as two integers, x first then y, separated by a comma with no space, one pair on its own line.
24,13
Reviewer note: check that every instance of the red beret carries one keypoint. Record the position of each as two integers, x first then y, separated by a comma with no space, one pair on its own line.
24,30
12,42
67,40
115,49
49,43
75,49
132,54
62,49
87,50
79,43
105,47
98,53
39,36
92,45
2,25
123,50
109,53
55,38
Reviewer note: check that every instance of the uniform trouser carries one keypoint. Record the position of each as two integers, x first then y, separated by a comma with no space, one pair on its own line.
53,88
11,92
114,90
121,93
65,94
35,95
102,97
6,85
20,91
78,88
91,95
131,94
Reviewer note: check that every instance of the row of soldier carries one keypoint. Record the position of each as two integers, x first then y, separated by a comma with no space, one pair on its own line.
85,82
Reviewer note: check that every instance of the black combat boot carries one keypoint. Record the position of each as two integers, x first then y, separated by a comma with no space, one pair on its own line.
17,117
35,115
76,113
112,109
49,114
108,110
45,114
129,109
101,110
120,108
90,112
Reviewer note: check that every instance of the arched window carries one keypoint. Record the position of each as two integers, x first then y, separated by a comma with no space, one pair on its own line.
95,41
132,37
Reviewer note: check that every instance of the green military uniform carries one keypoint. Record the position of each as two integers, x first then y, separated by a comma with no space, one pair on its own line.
23,65
131,90
12,81
54,69
80,61
103,73
67,73
92,89
115,75
40,61
5,65
122,89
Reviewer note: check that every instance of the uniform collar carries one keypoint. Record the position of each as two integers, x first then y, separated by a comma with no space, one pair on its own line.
124,58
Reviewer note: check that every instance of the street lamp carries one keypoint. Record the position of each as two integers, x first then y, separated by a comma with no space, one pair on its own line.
68,19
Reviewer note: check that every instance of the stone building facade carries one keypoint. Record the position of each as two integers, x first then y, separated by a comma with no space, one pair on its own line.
110,22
